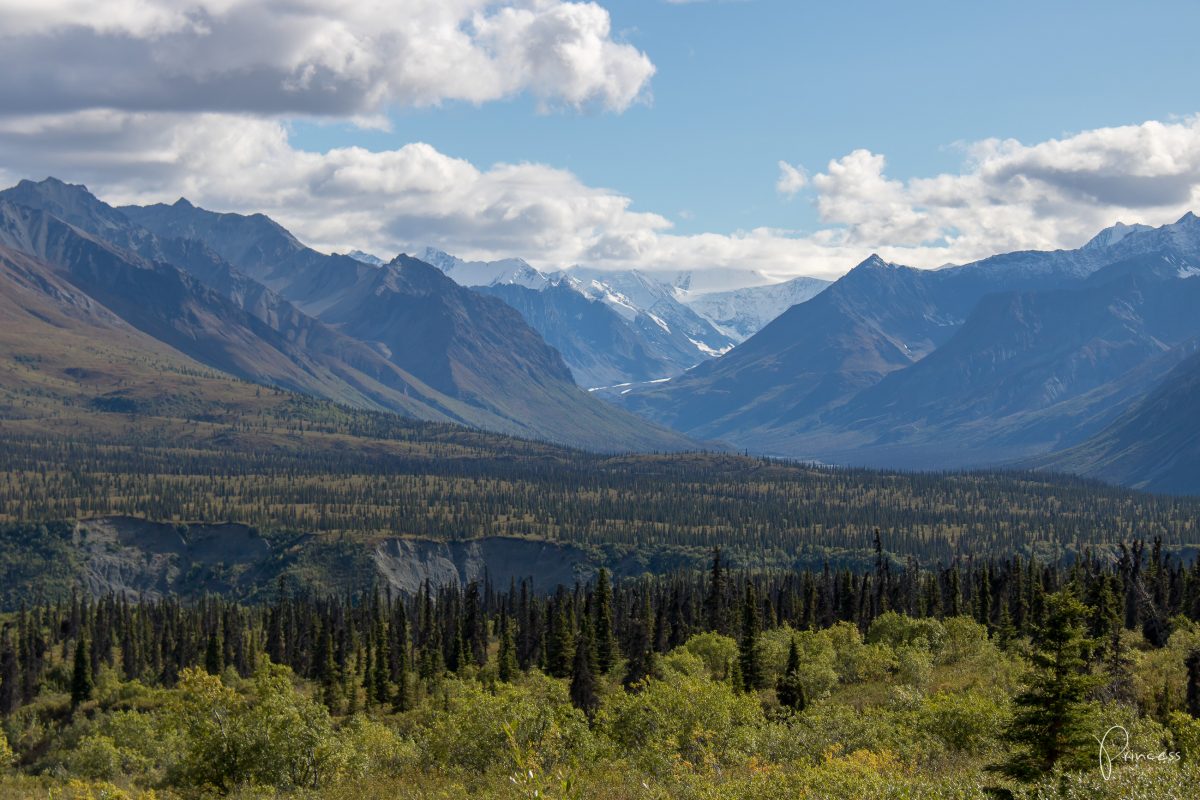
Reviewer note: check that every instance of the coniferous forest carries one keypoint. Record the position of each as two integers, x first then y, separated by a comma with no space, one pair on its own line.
745,627
766,630
983,677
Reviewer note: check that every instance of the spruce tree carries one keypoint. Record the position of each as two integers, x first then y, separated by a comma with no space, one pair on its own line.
714,604
9,677
506,657
1051,724
583,682
789,690
214,654
749,658
382,664
81,675
560,641
640,658
606,646
1193,683
327,672
402,700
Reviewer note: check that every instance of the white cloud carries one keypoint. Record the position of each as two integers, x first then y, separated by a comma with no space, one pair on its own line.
339,57
791,179
1012,196
1006,196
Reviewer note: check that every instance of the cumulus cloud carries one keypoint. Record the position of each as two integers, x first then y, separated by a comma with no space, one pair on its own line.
1006,196
309,57
791,179
1013,196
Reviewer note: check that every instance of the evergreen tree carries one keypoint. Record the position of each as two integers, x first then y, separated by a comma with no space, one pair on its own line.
583,682
606,645
402,700
560,640
214,654
749,657
81,675
789,689
382,665
714,604
506,658
640,658
327,672
9,676
1051,722
1193,683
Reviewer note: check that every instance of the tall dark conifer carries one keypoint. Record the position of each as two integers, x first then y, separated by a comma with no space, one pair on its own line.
748,652
81,674
790,690
1051,724
606,644
583,682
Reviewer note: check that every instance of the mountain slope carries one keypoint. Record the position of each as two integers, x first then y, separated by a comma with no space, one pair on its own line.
741,313
1155,445
69,365
476,350
647,334
1027,372
280,346
783,390
875,320
597,344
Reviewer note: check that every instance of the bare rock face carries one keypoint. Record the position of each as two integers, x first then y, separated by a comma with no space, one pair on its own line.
135,557
407,563
139,558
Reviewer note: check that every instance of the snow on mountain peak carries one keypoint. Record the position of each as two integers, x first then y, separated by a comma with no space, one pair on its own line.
1110,236
366,258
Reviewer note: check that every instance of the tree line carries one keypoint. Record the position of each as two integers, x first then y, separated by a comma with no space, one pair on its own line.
384,648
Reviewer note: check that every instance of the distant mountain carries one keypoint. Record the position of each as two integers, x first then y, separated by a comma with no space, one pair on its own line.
473,349
741,313
247,332
979,364
646,334
514,271
366,258
1028,372
1154,445
600,347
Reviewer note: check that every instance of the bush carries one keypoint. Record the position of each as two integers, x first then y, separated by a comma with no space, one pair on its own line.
470,728
682,720
274,737
965,639
896,631
96,757
716,651
968,723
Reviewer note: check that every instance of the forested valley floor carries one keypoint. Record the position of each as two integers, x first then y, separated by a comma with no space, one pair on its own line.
798,631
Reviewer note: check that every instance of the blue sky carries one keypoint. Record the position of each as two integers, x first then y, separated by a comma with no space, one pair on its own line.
621,133
742,85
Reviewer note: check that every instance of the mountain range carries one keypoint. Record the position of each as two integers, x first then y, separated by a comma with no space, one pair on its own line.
242,295
997,362
611,327
1084,360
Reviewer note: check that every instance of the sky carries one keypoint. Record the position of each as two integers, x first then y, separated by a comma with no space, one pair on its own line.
772,135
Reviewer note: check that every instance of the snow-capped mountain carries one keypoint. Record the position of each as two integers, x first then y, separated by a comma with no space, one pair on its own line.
631,326
485,273
640,297
1110,236
741,313
366,258
716,279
